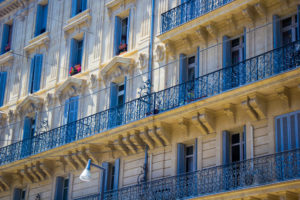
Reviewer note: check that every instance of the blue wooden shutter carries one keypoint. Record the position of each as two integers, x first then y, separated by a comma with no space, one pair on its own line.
30,82
196,155
276,32
59,187
17,194
3,77
244,137
197,70
125,85
66,111
226,52
83,5
278,134
226,147
117,35
128,30
74,8
182,68
298,22
180,158
37,72
113,95
5,35
117,174
38,20
245,45
73,109
107,168
80,45
73,53
26,137
45,17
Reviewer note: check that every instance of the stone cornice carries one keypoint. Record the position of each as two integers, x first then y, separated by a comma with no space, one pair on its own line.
6,57
29,105
10,5
80,20
39,41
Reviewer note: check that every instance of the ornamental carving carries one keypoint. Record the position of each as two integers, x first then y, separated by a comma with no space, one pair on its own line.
93,80
3,118
143,60
29,105
159,53
49,99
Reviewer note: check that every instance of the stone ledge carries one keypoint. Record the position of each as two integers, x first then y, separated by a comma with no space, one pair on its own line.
40,40
81,19
6,57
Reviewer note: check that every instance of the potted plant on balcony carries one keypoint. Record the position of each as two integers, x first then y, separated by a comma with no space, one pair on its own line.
75,70
122,47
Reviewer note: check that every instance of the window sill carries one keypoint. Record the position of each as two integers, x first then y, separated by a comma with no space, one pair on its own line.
40,40
79,20
6,57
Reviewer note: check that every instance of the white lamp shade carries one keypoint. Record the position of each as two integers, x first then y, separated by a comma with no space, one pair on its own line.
85,175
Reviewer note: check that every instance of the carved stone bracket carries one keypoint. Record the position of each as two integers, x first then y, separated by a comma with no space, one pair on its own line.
30,105
212,30
163,131
143,60
133,148
261,8
4,184
188,42
121,145
147,138
202,34
249,14
11,116
184,124
50,98
231,23
229,110
284,3
170,49
204,121
255,106
160,53
284,96
93,80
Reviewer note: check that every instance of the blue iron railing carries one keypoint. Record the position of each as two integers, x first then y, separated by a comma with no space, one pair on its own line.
188,11
251,70
255,172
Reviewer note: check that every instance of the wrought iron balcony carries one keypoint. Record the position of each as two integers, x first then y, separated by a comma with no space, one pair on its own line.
188,11
251,70
266,170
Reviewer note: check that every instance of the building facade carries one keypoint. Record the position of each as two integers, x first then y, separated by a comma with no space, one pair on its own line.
176,99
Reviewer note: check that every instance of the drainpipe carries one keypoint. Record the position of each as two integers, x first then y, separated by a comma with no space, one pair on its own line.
151,47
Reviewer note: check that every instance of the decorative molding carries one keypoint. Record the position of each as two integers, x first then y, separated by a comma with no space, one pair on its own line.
212,30
122,147
11,116
284,96
184,124
285,3
163,131
229,110
50,98
249,14
249,110
6,57
116,68
93,80
160,53
133,148
143,60
115,4
70,87
261,8
30,105
259,105
38,42
9,5
3,118
188,42
208,120
80,20
231,23
202,34
138,139
170,49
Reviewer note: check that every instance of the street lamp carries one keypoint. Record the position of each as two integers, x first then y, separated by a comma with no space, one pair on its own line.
86,176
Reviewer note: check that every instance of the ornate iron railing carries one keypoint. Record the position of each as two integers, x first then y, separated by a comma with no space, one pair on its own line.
259,171
90,197
188,11
251,70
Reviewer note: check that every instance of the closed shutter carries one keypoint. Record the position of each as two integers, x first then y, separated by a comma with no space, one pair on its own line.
125,88
226,147
113,95
17,194
83,5
182,68
30,82
37,72
117,35
196,155
66,111
298,22
244,147
26,146
117,174
73,53
128,30
197,70
73,109
107,178
227,73
287,131
3,77
74,8
276,32
38,20
59,188
180,158
5,34
45,18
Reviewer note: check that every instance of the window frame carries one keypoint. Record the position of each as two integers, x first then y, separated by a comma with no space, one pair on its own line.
238,48
292,27
240,144
190,156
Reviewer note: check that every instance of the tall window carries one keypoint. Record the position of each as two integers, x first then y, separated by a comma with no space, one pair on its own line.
289,30
237,147
62,188
70,116
75,56
35,73
6,38
189,159
237,50
28,134
19,194
111,175
78,6
121,94
66,189
122,28
41,19
186,158
3,77
191,68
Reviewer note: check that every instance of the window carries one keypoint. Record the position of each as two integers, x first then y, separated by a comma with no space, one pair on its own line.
289,30
23,195
41,19
6,38
28,134
78,6
3,77
237,147
19,194
70,117
121,94
237,50
117,93
75,56
35,73
66,189
287,128
189,159
122,28
112,175
186,157
62,188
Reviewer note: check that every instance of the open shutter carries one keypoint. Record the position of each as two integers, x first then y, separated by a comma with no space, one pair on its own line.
74,8
128,30
107,167
37,72
3,77
26,137
197,70
113,95
73,52
59,186
245,45
226,52
125,88
226,147
38,20
182,68
5,34
117,174
30,83
276,32
196,155
180,158
17,194
244,149
66,111
45,18
73,109
83,5
278,134
117,35
298,22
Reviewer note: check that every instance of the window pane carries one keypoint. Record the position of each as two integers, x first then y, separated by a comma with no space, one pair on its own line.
189,164
287,37
191,60
120,99
235,42
189,150
235,57
235,138
286,22
191,73
235,154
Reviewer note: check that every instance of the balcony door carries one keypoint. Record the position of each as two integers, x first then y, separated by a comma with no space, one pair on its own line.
28,134
70,118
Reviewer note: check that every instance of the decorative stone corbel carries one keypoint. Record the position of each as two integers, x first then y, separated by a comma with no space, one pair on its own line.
3,118
198,124
158,140
122,147
26,174
71,161
284,96
4,184
138,139
147,139
229,110
143,60
164,132
291,195
184,124
208,120
131,145
249,110
11,116
231,23
188,42
170,49
159,53
261,8
202,34
259,105
212,30
284,3
93,81
49,99
249,14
